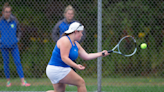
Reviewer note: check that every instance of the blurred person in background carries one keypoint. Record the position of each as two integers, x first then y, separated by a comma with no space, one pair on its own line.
10,33
66,50
64,24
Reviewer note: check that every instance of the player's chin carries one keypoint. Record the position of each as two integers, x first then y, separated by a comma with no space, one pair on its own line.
79,39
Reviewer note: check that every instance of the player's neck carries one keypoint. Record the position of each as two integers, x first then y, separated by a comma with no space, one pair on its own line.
71,36
68,20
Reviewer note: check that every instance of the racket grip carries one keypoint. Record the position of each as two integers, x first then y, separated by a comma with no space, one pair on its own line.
110,51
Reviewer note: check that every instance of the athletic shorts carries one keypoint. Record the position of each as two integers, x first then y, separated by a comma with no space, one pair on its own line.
56,73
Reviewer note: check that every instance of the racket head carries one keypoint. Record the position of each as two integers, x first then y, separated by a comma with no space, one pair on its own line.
127,46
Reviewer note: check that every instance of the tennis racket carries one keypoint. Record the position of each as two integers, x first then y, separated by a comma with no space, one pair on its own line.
126,46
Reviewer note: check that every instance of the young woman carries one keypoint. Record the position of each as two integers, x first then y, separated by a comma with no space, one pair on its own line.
9,37
66,50
64,24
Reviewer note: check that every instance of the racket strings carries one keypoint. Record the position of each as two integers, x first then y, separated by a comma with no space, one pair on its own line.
127,46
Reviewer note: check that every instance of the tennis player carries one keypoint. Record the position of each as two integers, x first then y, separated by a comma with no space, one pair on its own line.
64,24
66,50
9,37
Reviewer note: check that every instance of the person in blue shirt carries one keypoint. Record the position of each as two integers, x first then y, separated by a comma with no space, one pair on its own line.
66,50
63,25
10,33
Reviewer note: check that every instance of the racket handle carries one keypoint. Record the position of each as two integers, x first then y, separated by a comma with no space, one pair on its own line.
110,51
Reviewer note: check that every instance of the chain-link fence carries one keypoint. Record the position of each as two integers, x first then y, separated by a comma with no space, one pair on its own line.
142,19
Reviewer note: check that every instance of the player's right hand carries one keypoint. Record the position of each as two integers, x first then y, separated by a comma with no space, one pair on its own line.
105,53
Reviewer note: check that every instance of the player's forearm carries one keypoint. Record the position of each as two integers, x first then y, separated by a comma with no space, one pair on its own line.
69,62
93,56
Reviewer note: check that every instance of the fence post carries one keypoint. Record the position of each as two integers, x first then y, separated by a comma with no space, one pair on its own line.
99,60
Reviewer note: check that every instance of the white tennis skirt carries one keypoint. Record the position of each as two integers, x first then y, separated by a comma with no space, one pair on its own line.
56,73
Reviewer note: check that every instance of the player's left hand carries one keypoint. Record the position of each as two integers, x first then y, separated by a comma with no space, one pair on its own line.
81,67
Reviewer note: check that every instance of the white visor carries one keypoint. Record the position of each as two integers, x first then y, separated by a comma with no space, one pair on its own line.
75,26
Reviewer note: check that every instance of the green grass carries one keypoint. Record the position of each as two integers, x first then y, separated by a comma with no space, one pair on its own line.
108,85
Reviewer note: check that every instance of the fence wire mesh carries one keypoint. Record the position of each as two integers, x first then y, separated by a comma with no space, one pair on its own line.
142,19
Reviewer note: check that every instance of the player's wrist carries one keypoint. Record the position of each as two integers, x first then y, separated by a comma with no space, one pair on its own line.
101,54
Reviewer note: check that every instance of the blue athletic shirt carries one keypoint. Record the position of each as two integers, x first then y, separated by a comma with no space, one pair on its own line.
56,58
8,32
